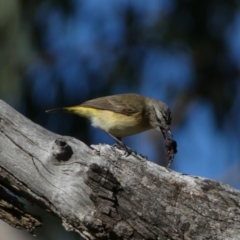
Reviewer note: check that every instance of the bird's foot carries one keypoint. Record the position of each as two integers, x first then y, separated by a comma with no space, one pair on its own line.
122,146
128,150
143,156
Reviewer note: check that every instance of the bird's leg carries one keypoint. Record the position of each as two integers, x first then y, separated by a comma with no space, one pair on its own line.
128,150
120,143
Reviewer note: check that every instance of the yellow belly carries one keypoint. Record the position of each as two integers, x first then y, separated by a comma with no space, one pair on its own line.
117,124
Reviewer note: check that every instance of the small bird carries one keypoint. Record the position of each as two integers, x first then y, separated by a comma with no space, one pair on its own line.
123,115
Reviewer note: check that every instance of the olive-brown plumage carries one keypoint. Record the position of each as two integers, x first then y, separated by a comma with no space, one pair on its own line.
124,114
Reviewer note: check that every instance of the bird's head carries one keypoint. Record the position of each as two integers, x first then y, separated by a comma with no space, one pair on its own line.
160,116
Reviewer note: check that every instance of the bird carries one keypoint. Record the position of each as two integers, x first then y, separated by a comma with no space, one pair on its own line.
124,115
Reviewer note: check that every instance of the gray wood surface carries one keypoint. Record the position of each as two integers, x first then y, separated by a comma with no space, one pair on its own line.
102,194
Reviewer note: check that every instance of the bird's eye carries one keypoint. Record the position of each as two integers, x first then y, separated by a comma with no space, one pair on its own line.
167,117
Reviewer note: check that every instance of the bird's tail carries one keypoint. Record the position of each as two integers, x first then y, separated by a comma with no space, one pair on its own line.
79,110
65,109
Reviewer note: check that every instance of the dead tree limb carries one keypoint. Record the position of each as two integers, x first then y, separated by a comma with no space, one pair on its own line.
102,194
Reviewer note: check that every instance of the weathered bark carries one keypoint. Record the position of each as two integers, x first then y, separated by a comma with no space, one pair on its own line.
102,194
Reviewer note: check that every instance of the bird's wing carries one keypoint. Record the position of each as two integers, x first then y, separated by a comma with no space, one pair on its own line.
127,104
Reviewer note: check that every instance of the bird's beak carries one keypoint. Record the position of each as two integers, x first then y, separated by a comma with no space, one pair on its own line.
166,132
170,133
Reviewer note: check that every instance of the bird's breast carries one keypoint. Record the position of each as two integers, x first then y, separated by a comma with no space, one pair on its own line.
119,125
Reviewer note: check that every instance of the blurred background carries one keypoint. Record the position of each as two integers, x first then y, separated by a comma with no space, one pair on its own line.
56,53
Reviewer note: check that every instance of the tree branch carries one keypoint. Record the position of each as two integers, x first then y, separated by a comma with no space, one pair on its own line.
102,194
